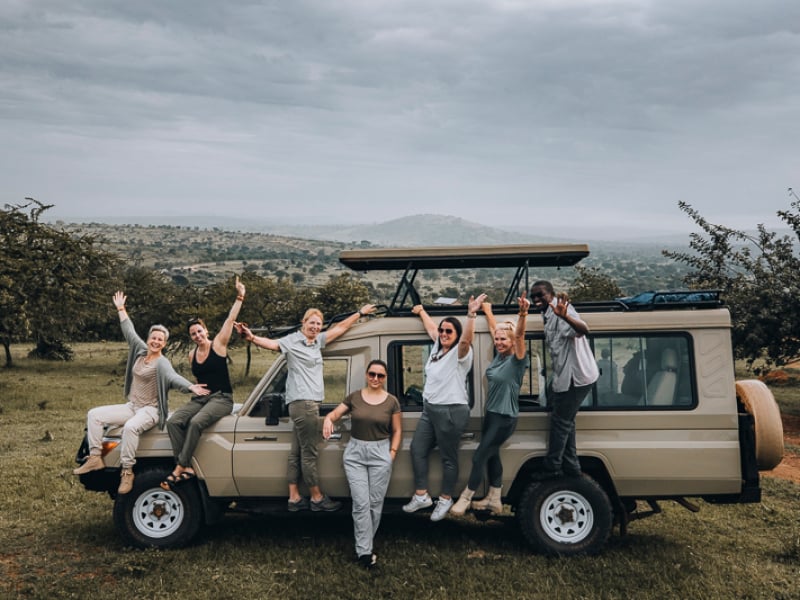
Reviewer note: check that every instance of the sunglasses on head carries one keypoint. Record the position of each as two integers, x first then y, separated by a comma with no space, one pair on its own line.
446,330
374,375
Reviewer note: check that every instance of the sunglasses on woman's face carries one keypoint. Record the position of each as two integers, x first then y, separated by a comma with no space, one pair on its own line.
374,375
447,330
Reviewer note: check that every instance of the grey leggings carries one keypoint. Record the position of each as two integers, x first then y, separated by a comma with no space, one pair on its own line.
440,425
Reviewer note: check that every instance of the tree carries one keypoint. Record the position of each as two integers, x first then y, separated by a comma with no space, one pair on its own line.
52,282
591,283
759,278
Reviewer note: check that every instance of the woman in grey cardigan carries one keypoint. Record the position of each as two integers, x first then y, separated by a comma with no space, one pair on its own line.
148,379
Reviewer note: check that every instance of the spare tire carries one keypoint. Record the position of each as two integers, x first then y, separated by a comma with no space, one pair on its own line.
759,402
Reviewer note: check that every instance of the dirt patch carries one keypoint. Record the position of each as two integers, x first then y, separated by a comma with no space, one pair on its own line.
789,468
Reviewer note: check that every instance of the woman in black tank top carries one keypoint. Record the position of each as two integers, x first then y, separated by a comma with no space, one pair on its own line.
209,361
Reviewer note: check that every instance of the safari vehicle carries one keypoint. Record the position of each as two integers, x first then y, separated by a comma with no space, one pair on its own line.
665,421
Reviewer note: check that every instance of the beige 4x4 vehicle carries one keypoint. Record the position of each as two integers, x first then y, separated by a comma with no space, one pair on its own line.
665,421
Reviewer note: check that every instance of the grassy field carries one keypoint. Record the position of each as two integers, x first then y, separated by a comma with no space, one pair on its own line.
58,541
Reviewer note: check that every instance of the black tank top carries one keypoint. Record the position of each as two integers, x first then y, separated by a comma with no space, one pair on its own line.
213,372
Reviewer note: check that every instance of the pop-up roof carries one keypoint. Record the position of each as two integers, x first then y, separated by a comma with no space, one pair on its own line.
411,260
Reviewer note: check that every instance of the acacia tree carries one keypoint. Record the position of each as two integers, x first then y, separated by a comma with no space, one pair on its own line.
591,283
51,284
759,277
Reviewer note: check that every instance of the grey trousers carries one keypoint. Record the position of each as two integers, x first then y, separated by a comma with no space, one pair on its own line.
562,453
439,425
305,441
188,422
368,466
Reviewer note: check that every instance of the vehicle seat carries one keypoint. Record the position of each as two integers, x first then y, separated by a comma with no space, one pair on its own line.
661,388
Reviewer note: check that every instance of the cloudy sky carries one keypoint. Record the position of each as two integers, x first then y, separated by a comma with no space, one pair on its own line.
553,114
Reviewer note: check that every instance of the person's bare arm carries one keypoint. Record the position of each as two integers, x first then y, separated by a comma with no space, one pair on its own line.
465,342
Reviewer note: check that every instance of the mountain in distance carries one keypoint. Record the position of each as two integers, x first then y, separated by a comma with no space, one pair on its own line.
409,231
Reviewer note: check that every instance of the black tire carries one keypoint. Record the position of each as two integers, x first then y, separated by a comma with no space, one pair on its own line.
566,516
150,517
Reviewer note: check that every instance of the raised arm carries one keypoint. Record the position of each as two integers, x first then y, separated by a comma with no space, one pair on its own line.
119,301
224,336
519,334
486,307
560,308
342,326
258,340
465,342
427,322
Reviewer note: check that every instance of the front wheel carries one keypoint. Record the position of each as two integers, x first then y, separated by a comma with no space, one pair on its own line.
565,516
150,517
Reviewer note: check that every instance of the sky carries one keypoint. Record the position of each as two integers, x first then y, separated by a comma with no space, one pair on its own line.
558,115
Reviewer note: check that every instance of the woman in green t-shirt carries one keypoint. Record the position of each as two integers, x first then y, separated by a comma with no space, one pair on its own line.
504,378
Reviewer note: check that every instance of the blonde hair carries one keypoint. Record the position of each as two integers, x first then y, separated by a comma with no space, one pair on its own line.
313,312
160,328
509,327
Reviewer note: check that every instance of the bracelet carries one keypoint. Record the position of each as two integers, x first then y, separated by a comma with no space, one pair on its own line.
522,314
120,308
360,314
240,298
393,450
472,315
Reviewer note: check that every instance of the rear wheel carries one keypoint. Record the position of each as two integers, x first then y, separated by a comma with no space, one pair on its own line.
565,516
149,516
759,402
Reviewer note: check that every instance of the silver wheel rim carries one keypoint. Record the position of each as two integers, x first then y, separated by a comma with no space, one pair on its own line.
158,513
566,517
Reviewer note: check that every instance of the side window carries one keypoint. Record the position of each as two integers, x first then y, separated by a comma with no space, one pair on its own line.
533,394
651,371
335,377
407,373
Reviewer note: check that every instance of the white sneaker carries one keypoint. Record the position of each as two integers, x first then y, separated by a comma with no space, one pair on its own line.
442,508
418,502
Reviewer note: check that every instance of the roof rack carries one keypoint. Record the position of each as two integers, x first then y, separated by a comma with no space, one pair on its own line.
673,300
411,260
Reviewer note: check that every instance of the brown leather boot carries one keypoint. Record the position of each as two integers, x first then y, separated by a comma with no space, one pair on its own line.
93,463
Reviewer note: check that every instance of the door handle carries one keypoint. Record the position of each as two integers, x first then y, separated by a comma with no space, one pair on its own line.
468,436
262,438
335,436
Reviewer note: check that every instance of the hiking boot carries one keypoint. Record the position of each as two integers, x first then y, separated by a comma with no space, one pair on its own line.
125,481
442,508
93,463
492,502
301,504
326,505
463,503
418,502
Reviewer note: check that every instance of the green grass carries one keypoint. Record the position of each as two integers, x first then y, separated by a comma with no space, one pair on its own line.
58,540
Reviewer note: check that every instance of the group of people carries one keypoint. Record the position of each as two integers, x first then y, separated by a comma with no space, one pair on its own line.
376,424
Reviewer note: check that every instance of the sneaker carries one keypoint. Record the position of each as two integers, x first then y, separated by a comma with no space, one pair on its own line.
301,504
442,508
125,481
326,505
418,502
93,463
367,560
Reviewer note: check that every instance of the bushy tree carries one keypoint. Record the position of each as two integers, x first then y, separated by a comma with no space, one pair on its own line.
51,281
591,283
759,277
